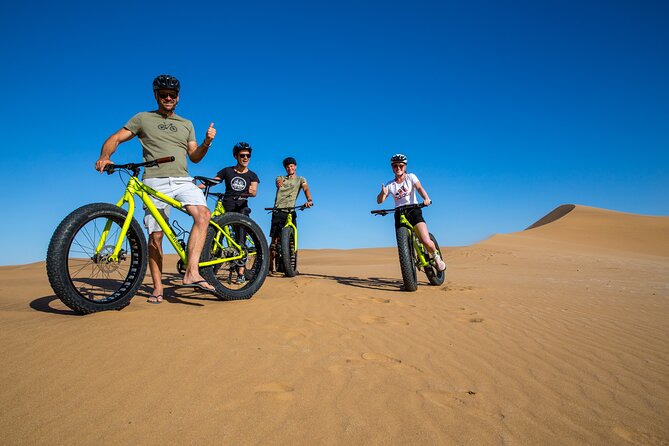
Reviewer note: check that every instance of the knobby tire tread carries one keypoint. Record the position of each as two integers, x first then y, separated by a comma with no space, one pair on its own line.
434,276
406,255
289,257
58,254
209,273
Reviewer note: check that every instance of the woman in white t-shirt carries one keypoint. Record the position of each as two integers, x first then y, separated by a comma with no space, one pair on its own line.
403,188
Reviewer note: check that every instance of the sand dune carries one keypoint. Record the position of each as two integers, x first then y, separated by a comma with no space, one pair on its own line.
553,335
603,229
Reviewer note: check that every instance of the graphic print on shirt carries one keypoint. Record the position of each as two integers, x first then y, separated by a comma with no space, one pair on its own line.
401,192
238,184
167,127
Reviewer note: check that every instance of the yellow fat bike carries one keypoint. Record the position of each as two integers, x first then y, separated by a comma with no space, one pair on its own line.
98,255
285,251
412,253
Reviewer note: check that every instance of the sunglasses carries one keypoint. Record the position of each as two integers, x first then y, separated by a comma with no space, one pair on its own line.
167,94
245,155
397,166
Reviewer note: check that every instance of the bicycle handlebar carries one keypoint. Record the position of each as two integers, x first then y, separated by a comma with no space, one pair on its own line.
111,168
404,208
286,210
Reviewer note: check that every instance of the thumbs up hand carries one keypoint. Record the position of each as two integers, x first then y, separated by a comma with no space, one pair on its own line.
211,134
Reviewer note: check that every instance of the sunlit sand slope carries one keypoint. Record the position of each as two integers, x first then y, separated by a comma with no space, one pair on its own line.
558,334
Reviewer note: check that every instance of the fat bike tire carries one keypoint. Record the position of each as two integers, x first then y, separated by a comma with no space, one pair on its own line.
84,279
405,249
226,277
289,255
434,276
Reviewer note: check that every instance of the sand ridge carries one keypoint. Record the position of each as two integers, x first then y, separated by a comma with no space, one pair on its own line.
556,334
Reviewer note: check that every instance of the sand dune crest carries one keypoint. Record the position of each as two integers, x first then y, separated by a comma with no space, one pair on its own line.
601,229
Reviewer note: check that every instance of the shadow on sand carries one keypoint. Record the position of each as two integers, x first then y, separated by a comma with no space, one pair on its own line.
174,293
370,283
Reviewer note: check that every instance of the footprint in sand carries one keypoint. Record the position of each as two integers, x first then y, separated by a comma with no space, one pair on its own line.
380,357
368,319
402,321
294,338
471,320
454,287
320,323
275,390
448,399
293,334
635,437
380,300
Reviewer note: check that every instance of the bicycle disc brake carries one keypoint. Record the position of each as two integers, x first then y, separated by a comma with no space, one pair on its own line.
104,262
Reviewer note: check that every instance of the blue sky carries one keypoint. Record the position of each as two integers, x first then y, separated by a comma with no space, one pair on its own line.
506,109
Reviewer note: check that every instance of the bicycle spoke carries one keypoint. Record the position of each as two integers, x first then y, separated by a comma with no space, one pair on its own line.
84,266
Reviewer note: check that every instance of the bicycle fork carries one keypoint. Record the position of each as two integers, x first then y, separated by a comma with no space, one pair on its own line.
289,223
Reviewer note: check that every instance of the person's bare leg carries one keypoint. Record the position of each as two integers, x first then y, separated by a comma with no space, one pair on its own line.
198,233
424,236
275,241
156,265
272,247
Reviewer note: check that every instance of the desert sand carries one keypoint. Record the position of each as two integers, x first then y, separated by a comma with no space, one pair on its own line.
558,334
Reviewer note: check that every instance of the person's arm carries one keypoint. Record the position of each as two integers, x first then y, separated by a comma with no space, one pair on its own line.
110,146
307,194
253,188
423,193
195,152
382,195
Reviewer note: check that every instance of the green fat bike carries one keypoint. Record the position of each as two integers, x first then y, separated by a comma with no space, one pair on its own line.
285,252
412,253
97,257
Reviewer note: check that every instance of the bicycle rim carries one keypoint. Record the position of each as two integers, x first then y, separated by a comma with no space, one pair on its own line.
87,279
94,278
241,278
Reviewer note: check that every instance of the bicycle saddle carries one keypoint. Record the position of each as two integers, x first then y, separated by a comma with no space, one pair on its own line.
208,181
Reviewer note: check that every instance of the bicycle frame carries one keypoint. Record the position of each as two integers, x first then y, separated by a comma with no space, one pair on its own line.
289,219
136,187
418,246
290,224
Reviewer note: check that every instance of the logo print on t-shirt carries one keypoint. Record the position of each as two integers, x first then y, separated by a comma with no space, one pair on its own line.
171,127
238,184
401,192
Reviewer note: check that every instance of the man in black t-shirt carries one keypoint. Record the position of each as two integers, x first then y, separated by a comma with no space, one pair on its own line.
240,183
239,180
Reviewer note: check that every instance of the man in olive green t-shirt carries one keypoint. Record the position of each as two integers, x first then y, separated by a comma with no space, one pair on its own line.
163,133
287,189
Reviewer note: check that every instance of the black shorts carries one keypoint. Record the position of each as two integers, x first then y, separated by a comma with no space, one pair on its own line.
279,221
239,206
414,215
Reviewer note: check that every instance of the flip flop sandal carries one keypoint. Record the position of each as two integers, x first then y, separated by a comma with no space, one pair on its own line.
199,286
158,299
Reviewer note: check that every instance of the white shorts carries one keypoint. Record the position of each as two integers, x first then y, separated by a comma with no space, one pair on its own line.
181,189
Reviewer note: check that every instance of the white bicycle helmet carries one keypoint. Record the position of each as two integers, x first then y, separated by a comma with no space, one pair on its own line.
398,158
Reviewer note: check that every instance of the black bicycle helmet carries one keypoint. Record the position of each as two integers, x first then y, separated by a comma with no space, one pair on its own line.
166,82
398,158
241,146
289,160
